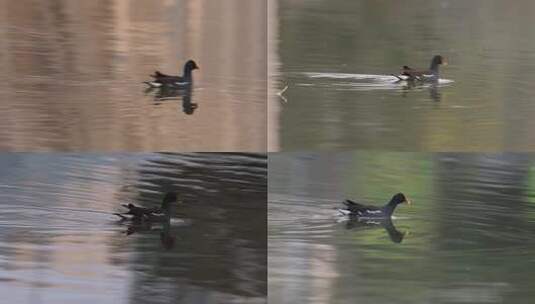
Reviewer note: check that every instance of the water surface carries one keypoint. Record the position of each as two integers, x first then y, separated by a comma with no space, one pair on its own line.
488,106
467,237
71,75
60,242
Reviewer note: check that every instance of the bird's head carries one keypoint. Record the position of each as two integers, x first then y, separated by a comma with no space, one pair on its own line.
437,60
191,65
399,198
169,199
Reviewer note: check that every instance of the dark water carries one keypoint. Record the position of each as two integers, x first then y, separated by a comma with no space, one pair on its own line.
323,49
71,75
467,237
59,242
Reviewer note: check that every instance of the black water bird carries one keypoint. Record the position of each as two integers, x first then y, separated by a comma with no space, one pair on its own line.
161,79
354,209
150,215
431,74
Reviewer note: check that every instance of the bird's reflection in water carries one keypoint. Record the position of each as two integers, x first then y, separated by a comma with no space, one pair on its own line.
167,237
395,235
434,93
165,93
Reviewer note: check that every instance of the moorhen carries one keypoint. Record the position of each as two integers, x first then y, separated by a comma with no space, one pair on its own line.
362,211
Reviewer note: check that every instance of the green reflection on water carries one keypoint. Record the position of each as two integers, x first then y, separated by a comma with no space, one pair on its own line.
470,228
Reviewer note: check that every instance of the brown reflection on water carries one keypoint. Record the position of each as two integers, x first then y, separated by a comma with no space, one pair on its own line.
72,72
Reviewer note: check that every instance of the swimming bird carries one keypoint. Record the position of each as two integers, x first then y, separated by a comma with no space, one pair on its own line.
161,79
432,74
362,211
141,214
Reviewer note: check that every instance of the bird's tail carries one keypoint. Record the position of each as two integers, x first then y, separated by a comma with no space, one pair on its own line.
349,203
344,211
121,216
399,78
152,84
158,74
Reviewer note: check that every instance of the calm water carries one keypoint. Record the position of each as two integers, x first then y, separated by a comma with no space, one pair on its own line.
60,243
467,238
71,75
323,49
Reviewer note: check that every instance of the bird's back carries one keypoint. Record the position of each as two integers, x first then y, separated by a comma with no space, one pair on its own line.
357,208
139,211
158,74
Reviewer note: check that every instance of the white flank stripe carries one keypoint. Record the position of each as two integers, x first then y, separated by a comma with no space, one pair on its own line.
344,212
374,211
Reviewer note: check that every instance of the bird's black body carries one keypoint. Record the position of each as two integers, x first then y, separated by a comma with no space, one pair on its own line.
140,211
354,209
432,74
161,79
142,214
